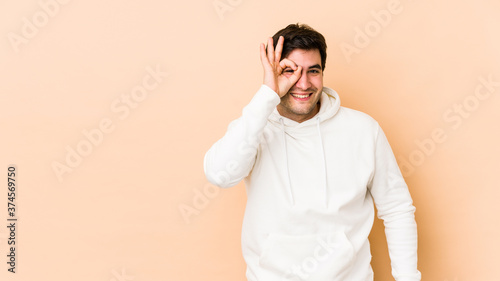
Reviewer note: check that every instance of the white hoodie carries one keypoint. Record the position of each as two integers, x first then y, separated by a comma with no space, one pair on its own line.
310,191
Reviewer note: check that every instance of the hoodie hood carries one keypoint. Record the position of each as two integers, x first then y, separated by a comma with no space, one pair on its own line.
329,106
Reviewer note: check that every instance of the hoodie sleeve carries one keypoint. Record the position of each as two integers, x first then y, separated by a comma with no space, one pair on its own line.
395,208
232,157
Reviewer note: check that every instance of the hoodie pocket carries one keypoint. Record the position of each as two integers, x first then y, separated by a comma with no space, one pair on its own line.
315,257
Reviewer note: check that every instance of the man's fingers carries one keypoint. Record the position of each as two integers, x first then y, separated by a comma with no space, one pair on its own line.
263,56
279,49
296,75
288,63
270,50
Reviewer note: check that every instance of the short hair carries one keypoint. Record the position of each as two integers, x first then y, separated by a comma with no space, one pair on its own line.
301,36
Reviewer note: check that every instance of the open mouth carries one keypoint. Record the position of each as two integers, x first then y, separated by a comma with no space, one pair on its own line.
301,97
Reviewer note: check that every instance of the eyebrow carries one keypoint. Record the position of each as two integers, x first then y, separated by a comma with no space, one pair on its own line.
315,66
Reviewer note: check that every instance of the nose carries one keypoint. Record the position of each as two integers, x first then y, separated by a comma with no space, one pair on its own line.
303,83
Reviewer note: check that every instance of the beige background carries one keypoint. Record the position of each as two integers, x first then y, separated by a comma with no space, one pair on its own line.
66,66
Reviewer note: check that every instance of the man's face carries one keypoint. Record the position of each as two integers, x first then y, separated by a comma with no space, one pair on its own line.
301,101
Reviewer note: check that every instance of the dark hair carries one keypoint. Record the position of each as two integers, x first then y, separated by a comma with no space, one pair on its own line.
301,36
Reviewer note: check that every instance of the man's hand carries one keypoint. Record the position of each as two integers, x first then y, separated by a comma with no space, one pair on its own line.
274,75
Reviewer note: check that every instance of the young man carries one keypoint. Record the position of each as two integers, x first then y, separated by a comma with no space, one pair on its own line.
312,170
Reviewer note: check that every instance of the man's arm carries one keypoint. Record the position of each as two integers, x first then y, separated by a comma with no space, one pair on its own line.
231,158
395,207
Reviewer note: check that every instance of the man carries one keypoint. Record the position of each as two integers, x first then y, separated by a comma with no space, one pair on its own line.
312,169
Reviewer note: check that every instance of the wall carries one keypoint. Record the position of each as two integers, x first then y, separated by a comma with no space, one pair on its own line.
107,109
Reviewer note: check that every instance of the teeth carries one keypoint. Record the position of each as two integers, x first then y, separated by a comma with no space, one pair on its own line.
300,96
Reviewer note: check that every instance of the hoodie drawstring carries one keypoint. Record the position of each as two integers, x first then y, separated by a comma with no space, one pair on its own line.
325,183
324,162
286,163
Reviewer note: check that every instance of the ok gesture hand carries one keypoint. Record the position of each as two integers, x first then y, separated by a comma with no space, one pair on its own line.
274,75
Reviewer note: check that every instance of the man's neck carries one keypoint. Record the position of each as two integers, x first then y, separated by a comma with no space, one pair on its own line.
299,118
